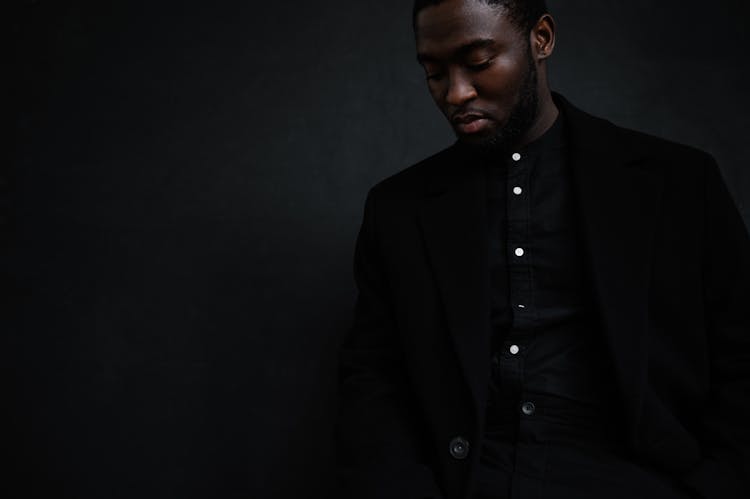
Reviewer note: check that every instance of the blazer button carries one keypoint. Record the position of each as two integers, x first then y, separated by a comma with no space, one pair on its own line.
459,448
528,408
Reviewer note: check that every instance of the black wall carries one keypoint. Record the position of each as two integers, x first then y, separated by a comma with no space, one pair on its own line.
180,208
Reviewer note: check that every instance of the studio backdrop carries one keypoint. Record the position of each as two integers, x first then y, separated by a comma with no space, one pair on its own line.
182,197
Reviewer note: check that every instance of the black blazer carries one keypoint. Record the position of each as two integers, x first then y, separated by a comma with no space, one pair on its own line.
670,260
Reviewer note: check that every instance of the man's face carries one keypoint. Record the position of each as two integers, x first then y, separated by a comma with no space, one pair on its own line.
479,70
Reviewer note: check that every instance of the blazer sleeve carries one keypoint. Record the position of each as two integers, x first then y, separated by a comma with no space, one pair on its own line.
380,449
725,441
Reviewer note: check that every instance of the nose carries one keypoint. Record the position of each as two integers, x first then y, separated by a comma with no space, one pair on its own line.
460,89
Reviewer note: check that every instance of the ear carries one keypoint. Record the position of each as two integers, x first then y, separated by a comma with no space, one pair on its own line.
542,38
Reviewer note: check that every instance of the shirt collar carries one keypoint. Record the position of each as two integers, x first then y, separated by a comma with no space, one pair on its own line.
553,138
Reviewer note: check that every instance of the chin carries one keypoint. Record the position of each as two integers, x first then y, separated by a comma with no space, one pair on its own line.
486,141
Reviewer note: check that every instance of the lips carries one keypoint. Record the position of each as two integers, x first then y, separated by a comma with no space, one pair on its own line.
469,123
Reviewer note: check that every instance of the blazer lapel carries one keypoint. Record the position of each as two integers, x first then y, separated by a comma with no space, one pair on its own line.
619,198
454,225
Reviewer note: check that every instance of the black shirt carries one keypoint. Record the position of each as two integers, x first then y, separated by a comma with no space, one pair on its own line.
546,334
551,380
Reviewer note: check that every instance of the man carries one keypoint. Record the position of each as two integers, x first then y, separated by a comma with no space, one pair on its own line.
552,307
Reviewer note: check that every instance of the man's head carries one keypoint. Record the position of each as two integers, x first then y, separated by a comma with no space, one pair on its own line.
485,65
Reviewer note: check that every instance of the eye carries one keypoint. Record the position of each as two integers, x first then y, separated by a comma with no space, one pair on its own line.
480,66
433,72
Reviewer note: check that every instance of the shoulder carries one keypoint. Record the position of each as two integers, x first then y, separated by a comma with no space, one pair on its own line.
599,133
664,148
411,182
686,171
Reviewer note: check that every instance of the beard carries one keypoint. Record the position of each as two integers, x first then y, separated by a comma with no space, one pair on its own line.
522,116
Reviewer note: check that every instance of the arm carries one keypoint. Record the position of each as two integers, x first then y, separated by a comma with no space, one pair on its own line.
725,441
379,446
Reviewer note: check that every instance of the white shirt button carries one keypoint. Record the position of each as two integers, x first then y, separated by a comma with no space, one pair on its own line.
520,252
514,349
522,306
516,157
517,191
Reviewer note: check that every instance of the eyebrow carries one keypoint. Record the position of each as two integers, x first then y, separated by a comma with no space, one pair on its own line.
460,51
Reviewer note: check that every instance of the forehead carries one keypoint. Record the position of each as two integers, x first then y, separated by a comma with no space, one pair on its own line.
442,28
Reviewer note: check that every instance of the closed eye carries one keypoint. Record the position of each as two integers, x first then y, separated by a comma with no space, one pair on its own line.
481,66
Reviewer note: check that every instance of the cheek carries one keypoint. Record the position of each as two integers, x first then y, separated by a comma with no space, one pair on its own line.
501,80
437,90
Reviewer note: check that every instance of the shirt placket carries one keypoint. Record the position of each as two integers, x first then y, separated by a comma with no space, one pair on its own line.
510,357
520,337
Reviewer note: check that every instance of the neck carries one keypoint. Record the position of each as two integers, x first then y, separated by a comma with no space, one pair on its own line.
546,117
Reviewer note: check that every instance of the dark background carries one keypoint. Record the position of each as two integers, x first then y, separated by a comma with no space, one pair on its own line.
182,200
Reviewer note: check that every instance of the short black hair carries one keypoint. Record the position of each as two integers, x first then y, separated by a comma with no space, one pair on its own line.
523,13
